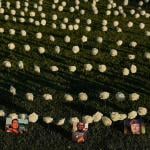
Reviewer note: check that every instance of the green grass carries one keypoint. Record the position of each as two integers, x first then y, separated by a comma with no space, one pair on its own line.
42,136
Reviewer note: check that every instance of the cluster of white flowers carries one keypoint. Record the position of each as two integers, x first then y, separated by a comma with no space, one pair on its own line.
33,118
47,97
7,64
83,96
29,96
104,95
48,119
68,97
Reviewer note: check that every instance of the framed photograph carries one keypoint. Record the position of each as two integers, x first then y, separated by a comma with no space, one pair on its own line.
80,135
16,126
134,126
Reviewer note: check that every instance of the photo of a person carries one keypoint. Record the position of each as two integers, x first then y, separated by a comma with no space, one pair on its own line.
80,136
134,126
14,127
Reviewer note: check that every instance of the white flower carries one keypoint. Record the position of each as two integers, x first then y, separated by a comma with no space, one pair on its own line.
70,27
131,56
43,15
72,68
142,111
57,49
108,12
13,116
63,3
132,115
120,96
147,33
116,13
133,69
71,9
137,15
82,11
43,22
11,46
115,116
32,14
2,10
88,67
41,50
27,48
67,39
54,17
104,22
61,122
102,68
60,8
126,2
29,96
130,24
113,52
54,26
125,71
119,42
87,119
33,117
133,44
7,64
88,21
94,51
76,27
132,11
84,38
147,55
77,20
65,20
97,116
104,28
134,96
1,30
12,90
2,113
68,97
88,28
104,95
36,69
47,97
52,38
119,29
83,96
23,33
12,31
142,25
54,68
48,119
106,121
39,35
63,26
123,116
73,120
20,65
75,49
99,39
116,23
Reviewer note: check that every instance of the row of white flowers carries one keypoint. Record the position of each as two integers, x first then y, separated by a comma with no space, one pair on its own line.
97,117
82,96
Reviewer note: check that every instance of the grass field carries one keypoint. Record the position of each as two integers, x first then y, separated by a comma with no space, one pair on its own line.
42,136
